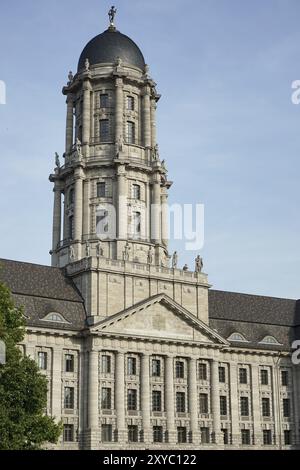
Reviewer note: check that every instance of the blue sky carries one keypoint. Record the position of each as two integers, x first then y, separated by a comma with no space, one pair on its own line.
226,124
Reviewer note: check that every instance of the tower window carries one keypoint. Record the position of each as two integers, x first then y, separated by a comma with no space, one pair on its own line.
286,404
131,399
180,402
222,374
244,402
156,400
202,371
104,100
69,363
137,224
71,227
106,433
136,191
68,434
130,103
106,364
130,132
266,411
156,368
243,376
106,398
179,369
101,189
223,405
69,398
71,196
42,360
203,403
131,366
181,434
104,130
264,377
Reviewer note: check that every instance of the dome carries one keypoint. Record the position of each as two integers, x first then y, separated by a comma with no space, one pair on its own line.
106,47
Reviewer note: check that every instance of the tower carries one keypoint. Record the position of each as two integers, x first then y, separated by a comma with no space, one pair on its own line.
112,180
110,232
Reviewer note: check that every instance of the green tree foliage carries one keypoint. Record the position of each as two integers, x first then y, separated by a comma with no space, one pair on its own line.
23,389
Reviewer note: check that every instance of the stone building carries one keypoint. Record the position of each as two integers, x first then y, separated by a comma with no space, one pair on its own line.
138,354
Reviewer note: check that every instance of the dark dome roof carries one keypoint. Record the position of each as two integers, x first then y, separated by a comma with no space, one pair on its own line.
106,47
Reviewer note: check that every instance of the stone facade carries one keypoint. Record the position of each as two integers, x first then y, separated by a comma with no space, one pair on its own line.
139,355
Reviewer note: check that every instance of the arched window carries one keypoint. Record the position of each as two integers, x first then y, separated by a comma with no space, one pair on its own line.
269,340
71,227
237,337
130,103
55,317
130,132
136,191
71,196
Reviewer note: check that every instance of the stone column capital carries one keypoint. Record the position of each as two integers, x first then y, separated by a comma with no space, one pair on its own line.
119,82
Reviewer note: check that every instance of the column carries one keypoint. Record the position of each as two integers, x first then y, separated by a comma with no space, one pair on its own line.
145,396
234,404
147,117
69,124
277,403
215,401
119,110
256,405
120,396
57,397
122,203
78,206
155,210
93,399
153,123
193,400
86,209
56,217
86,117
164,218
169,399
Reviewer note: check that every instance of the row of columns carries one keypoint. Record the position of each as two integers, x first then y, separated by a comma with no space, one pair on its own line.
170,402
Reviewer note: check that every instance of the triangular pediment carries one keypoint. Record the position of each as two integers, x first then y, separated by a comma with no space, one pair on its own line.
159,317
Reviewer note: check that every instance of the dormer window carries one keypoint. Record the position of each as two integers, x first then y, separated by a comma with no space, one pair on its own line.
269,340
104,100
130,103
238,337
55,317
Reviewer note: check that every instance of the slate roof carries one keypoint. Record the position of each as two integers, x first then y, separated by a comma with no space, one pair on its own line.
254,317
42,290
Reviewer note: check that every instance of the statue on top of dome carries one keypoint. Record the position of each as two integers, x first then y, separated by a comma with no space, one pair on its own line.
111,14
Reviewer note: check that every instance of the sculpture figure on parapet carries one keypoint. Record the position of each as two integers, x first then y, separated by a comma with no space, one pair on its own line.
78,149
71,253
198,264
99,249
87,249
126,252
150,256
174,260
185,267
57,162
70,77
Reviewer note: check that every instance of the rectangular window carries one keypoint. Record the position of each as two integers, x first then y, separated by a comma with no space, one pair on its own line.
130,103
132,400
205,437
222,374
104,100
131,366
104,130
156,400
106,398
203,403
69,398
130,132
157,434
156,368
180,402
179,369
101,189
202,371
245,435
244,402
243,375
225,436
264,377
266,411
267,437
181,434
42,360
132,433
69,363
223,405
287,438
68,434
286,407
105,364
136,191
284,378
106,433
136,224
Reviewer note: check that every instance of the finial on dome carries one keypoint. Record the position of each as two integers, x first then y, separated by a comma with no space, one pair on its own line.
111,15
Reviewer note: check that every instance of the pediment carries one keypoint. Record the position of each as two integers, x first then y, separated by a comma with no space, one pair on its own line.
159,317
